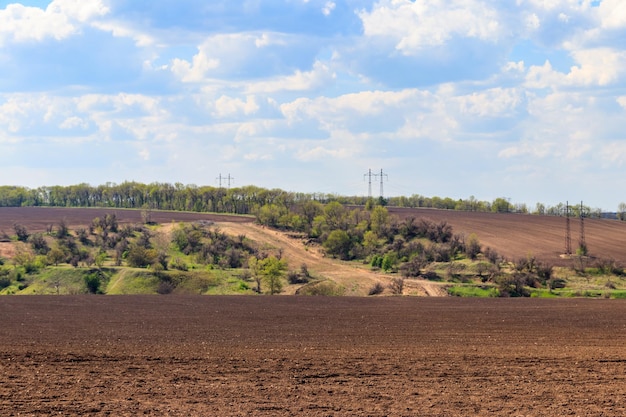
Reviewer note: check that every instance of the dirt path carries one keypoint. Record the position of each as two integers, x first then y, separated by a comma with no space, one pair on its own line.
356,278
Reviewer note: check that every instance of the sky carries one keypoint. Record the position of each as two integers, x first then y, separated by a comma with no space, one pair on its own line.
520,99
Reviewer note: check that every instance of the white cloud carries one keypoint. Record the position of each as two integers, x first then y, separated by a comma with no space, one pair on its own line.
414,25
328,8
123,30
197,69
74,122
613,14
80,10
490,103
228,106
596,67
320,75
62,18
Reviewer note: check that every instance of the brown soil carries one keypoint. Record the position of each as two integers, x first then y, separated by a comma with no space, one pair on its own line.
311,356
39,219
519,235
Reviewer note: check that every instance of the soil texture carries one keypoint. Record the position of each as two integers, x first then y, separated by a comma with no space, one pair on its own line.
311,356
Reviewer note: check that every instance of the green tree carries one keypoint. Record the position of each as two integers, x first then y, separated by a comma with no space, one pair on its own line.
338,244
273,270
501,205
56,256
254,267
140,257
380,221
335,215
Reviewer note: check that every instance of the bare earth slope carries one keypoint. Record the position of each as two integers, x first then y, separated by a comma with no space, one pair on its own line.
311,356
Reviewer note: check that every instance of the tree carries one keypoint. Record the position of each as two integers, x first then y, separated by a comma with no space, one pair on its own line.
338,244
621,211
272,270
501,205
62,231
472,246
254,267
39,244
21,232
335,214
55,256
380,221
140,257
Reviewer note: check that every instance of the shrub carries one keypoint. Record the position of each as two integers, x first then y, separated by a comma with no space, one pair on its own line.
21,232
92,282
472,246
556,283
325,288
39,244
397,286
376,289
431,276
178,264
377,261
492,256
165,286
413,267
293,277
609,266
5,281
387,263
140,257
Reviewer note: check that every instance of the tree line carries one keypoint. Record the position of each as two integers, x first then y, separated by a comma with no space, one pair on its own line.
247,199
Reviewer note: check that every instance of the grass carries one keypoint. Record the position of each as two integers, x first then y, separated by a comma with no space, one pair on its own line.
473,291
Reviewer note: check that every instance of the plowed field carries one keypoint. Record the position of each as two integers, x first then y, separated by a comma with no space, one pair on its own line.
518,235
311,356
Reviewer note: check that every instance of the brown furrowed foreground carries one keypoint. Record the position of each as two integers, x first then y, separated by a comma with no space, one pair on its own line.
312,356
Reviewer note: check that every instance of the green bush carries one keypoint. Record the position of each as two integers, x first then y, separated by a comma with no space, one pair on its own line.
92,282
5,281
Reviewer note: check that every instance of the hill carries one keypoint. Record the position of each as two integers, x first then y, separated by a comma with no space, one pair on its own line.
513,236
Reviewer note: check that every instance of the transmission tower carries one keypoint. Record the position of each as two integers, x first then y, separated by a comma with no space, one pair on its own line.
568,236
382,176
229,179
369,175
582,244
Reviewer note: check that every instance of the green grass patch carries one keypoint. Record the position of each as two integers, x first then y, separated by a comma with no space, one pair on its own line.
543,293
132,281
618,294
473,291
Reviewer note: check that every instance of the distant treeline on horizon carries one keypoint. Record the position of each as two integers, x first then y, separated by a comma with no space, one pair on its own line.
242,200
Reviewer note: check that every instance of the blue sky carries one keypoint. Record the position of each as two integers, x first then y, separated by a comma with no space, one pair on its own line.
524,100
